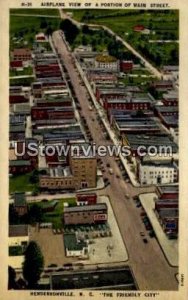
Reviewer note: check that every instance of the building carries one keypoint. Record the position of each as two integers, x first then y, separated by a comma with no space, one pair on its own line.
167,191
156,171
98,77
87,214
86,199
167,209
114,92
104,61
40,37
20,204
135,125
160,141
22,54
80,173
17,242
138,28
75,247
16,65
170,98
17,132
19,166
115,114
52,113
129,102
163,85
84,170
99,278
126,66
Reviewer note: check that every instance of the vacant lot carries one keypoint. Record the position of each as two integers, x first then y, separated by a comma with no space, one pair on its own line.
51,245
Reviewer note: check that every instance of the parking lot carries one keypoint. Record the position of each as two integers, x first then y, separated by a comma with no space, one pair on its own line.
51,245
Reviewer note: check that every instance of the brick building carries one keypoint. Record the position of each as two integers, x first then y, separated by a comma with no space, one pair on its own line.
22,54
87,214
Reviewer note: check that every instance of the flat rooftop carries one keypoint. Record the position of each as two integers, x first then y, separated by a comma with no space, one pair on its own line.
18,230
99,206
169,189
114,278
135,140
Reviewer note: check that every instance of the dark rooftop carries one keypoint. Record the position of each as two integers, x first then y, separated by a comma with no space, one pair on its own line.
98,206
72,244
18,230
19,199
105,278
16,163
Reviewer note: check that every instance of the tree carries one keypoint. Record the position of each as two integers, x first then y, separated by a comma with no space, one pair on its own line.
11,278
49,31
35,214
34,177
85,29
70,30
33,264
43,23
13,215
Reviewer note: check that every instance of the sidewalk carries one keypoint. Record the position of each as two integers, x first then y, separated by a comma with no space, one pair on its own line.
169,247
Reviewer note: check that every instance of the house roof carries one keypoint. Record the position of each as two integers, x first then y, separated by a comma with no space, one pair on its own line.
98,206
72,244
22,51
16,64
17,128
168,189
18,230
19,199
19,163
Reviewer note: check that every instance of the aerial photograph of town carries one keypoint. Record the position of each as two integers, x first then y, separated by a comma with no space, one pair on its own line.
93,149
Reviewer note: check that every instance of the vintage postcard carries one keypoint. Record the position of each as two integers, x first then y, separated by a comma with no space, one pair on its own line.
93,149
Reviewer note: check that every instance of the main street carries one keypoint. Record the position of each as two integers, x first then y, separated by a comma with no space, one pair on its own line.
147,261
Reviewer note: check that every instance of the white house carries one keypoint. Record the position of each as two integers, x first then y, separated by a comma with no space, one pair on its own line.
18,241
75,247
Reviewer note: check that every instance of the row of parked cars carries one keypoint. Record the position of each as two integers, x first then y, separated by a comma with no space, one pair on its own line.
57,231
145,220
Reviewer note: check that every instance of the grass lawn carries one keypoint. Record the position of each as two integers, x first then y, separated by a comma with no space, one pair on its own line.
31,11
24,29
123,21
55,216
25,71
21,183
140,71
140,81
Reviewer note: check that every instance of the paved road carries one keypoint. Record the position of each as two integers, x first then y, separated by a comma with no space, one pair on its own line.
149,265
146,63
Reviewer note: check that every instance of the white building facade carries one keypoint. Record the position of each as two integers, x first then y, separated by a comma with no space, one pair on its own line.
157,174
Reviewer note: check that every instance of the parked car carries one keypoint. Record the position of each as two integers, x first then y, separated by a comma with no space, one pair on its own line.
152,233
142,233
